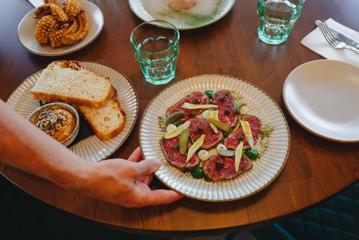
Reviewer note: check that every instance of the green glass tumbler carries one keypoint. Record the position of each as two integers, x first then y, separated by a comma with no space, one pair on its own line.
156,47
276,19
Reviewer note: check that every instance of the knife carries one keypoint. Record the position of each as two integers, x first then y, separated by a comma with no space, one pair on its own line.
349,41
36,3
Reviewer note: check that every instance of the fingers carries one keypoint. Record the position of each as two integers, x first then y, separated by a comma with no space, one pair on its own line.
159,197
145,179
136,156
147,167
148,179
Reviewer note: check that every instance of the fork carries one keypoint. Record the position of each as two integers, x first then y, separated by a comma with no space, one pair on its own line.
332,40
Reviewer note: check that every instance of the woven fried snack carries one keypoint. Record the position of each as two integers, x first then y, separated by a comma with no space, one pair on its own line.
72,8
83,25
44,27
57,36
51,9
52,1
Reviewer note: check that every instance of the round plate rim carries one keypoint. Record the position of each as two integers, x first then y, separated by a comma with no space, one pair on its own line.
297,119
130,2
258,88
12,95
78,46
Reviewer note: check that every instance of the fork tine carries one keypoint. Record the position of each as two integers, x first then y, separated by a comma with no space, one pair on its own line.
328,30
329,40
325,29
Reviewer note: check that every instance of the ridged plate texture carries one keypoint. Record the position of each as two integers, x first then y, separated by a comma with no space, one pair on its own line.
264,170
90,148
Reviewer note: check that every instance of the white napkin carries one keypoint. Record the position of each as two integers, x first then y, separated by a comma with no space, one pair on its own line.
36,3
316,42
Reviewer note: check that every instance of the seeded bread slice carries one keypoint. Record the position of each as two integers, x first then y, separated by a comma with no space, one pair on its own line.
106,121
67,81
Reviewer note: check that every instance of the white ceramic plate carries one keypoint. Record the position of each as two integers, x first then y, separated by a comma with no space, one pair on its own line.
264,170
204,13
323,97
91,148
26,32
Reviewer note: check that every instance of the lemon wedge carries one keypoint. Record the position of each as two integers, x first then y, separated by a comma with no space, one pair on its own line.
198,106
196,145
177,131
238,156
247,132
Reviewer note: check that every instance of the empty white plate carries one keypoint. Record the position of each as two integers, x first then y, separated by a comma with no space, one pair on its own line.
323,97
26,32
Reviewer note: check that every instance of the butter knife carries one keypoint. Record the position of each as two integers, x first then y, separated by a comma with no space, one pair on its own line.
36,3
349,41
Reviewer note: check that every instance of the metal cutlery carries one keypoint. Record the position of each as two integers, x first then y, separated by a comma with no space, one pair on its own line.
341,36
333,40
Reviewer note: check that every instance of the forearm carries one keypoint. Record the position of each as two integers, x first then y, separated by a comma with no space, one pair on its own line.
24,146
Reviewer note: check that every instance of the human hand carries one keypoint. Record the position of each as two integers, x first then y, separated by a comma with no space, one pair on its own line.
136,156
125,182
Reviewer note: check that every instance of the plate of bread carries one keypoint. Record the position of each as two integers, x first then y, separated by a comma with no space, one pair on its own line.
104,99
60,27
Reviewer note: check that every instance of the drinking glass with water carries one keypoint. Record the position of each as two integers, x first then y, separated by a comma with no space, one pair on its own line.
277,18
156,46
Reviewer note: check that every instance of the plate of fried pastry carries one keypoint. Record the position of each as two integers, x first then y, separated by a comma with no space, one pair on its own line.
60,27
86,106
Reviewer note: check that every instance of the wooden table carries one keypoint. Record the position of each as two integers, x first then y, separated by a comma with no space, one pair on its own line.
316,169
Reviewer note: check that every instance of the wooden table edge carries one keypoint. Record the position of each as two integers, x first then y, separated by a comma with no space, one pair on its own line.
158,232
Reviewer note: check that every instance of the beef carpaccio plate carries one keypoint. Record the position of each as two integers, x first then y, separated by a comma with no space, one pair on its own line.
211,135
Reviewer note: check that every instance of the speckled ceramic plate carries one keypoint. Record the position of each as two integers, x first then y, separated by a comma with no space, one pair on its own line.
205,12
264,170
26,30
90,148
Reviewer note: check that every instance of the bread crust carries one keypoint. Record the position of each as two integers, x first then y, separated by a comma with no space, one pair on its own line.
74,65
80,101
114,132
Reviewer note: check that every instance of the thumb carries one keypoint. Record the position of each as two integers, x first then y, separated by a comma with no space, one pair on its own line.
147,167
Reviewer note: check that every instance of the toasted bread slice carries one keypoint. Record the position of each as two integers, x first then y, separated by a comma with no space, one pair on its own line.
67,81
106,121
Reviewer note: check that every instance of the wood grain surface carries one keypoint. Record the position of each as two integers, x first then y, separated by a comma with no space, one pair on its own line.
315,170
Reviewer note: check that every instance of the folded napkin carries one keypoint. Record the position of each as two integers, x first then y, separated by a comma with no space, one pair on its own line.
316,42
36,3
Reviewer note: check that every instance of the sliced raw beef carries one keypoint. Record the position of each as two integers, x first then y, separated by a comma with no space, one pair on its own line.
234,138
202,126
219,168
226,112
222,97
170,147
194,98
254,122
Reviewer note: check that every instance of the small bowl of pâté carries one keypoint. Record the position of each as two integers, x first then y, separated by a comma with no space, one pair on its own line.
58,120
